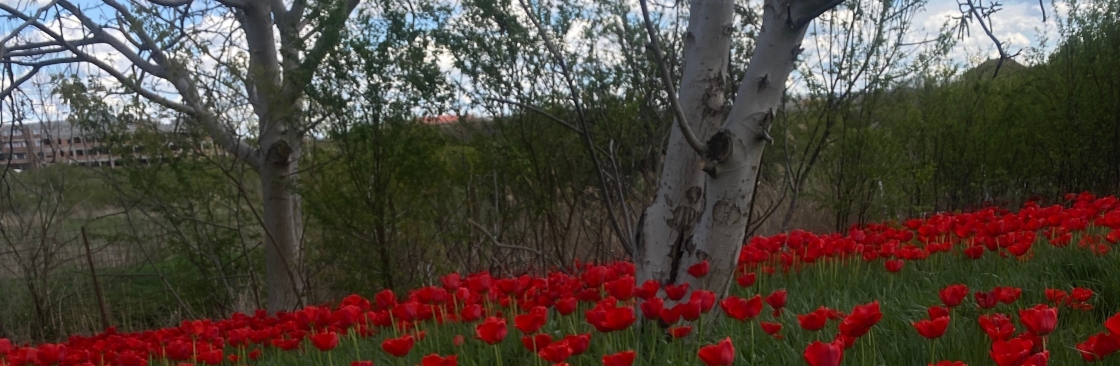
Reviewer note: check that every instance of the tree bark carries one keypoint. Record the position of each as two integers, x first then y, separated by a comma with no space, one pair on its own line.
671,240
667,223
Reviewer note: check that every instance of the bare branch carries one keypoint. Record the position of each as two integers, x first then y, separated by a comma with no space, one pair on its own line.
980,18
666,81
498,243
171,3
588,140
295,81
100,35
236,4
26,23
539,111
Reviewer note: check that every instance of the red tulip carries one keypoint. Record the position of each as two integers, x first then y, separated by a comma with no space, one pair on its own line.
398,347
492,330
619,318
680,332
719,354
533,321
815,320
536,342
556,352
974,251
932,328
741,309
699,270
1008,295
385,299
1056,296
1113,324
1010,353
824,354
987,300
451,281
997,326
1081,294
669,316
689,310
894,265
325,341
952,295
578,343
1037,359
777,300
1040,319
622,288
624,358
937,312
566,305
53,353
771,328
705,298
746,280
862,318
5,346
1099,346
651,309
676,292
648,289
436,360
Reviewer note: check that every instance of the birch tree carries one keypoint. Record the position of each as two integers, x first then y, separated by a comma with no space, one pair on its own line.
713,158
173,54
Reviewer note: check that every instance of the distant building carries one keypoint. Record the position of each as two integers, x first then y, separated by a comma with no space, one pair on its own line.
33,145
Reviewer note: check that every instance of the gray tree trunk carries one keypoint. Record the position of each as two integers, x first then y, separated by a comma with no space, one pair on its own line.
693,220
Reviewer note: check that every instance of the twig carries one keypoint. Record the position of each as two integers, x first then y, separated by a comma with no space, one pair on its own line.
96,285
670,90
983,25
499,244
539,111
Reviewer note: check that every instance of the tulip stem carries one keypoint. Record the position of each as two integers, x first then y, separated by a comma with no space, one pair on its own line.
498,353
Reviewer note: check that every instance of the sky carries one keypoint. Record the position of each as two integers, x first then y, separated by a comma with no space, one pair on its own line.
1020,25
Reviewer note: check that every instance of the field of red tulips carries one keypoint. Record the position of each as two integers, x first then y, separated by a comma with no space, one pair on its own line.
992,287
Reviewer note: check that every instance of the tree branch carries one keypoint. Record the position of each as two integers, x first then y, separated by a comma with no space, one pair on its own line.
498,243
171,3
236,4
588,139
976,12
666,81
295,81
805,20
100,35
539,111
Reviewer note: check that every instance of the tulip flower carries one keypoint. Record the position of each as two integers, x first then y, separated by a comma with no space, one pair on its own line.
624,358
824,354
932,329
719,354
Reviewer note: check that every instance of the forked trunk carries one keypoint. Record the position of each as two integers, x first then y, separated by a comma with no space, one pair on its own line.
671,241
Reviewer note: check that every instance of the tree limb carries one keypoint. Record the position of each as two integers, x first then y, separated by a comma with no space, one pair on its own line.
976,12
670,90
498,243
806,19
236,4
171,3
539,111
295,81
100,35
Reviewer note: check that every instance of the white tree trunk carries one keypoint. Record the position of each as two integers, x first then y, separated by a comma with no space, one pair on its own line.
667,223
734,151
282,228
